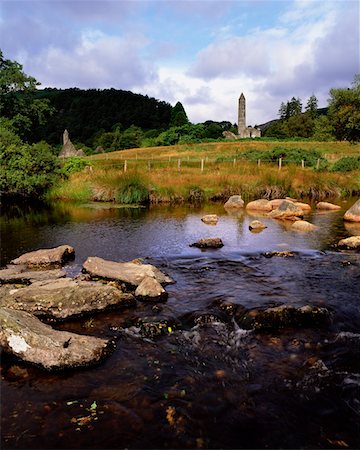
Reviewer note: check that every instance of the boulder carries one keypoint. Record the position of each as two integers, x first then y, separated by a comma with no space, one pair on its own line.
210,219
127,272
19,274
150,289
325,206
256,225
259,205
230,135
303,225
64,298
276,202
303,206
353,213
46,257
26,337
287,210
208,243
234,202
285,316
352,242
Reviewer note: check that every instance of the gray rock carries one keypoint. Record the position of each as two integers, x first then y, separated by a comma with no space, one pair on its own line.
287,210
234,202
19,274
64,298
150,289
210,219
26,337
285,316
352,242
129,272
208,243
256,225
230,135
46,257
353,213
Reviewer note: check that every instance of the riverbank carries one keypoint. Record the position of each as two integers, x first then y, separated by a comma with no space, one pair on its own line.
202,172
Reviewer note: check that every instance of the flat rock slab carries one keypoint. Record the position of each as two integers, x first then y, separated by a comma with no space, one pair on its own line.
46,257
128,272
26,337
352,242
353,213
20,274
208,243
64,298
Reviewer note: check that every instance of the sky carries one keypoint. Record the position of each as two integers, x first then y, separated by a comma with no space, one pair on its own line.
202,53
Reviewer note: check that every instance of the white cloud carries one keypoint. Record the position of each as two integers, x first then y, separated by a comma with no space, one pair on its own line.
97,61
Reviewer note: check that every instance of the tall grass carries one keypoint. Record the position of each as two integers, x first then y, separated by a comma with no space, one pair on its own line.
153,175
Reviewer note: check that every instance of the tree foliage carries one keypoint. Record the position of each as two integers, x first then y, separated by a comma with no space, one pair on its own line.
18,100
178,116
344,111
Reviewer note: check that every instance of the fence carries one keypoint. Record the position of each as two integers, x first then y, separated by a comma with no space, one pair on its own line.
201,164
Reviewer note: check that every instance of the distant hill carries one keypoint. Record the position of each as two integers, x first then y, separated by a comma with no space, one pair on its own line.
86,112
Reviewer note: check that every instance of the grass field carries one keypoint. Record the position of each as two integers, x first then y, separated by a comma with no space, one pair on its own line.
208,172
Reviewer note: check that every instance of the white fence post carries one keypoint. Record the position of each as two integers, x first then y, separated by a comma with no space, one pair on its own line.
280,163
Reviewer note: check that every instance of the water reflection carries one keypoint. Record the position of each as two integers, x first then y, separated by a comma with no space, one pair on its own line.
127,233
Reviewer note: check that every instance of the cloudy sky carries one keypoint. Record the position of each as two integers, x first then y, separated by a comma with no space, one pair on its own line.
203,53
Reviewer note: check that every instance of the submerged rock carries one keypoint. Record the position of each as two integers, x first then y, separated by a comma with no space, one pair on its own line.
287,210
208,243
285,316
303,226
19,274
26,337
150,289
210,219
127,272
283,254
64,298
353,213
259,205
256,225
234,202
352,242
326,206
46,257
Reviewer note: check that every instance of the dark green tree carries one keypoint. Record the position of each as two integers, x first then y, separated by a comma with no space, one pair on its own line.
344,111
312,106
178,116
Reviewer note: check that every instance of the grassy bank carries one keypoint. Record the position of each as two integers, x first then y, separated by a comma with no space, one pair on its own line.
211,172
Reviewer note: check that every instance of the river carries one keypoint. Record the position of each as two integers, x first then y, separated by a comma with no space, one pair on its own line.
206,382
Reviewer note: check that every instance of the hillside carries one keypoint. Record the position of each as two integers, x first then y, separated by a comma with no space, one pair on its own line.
87,112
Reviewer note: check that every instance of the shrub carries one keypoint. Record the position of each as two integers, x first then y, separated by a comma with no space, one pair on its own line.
72,165
132,190
346,164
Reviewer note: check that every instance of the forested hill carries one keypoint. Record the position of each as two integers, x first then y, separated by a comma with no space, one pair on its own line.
87,112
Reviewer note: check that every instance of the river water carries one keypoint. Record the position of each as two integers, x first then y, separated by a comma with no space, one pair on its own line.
205,382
